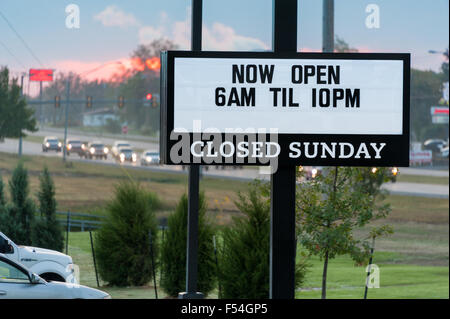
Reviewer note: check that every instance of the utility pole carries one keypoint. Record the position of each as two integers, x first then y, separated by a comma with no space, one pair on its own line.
66,118
40,105
194,181
20,137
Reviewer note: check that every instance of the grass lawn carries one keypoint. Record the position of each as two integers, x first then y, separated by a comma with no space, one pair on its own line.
345,280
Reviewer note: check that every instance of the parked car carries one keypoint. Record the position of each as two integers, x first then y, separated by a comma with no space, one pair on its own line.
434,145
19,282
49,264
51,143
74,146
126,154
96,149
444,152
118,144
149,158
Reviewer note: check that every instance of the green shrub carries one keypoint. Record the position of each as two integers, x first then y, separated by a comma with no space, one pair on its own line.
244,258
19,214
122,243
173,254
47,232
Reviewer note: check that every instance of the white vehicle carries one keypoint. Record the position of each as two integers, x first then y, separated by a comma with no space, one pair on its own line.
117,145
49,264
18,282
149,158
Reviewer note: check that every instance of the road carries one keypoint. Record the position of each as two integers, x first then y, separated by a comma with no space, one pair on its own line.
245,174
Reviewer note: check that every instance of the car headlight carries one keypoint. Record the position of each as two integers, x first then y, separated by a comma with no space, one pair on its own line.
83,146
122,157
47,144
59,144
69,146
133,157
314,172
148,159
374,170
105,150
92,150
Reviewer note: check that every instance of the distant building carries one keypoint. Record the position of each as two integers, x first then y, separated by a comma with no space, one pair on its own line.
99,117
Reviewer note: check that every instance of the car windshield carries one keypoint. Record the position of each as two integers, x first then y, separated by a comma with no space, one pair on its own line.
123,144
97,145
126,150
74,142
151,154
52,141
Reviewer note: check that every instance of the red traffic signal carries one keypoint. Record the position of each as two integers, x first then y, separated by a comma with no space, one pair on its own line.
148,96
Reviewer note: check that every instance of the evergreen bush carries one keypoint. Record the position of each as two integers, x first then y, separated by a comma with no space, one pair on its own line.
244,258
122,243
173,254
47,232
20,212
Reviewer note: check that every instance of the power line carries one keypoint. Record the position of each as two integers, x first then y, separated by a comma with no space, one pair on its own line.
12,54
21,39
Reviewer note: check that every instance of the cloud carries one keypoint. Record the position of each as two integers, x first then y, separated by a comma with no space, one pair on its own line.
113,16
221,37
218,36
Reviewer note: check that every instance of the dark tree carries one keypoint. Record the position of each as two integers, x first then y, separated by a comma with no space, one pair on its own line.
21,209
47,232
122,243
173,254
15,116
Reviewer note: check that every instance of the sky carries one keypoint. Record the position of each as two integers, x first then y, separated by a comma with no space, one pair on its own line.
109,31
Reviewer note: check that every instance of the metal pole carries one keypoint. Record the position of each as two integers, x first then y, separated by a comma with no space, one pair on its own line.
162,243
153,262
40,104
93,257
217,264
328,26
66,119
67,232
20,137
194,181
282,221
370,268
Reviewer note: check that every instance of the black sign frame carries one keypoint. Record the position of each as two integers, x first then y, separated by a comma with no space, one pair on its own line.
397,146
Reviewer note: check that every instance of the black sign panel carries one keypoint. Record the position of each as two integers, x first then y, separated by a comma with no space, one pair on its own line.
264,108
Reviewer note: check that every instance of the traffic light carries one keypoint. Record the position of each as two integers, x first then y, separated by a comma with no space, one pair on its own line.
121,102
149,96
57,101
155,100
88,101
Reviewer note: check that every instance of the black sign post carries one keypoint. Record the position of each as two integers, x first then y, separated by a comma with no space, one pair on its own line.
282,210
194,181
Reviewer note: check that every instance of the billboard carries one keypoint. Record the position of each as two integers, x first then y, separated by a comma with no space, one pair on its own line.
41,75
